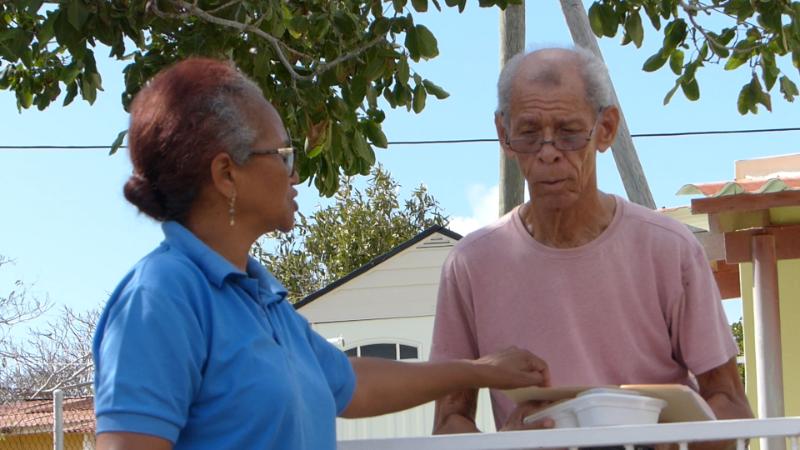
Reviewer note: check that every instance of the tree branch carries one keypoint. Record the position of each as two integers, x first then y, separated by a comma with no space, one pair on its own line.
317,68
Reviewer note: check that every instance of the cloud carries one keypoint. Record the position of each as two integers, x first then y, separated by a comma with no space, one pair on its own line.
483,203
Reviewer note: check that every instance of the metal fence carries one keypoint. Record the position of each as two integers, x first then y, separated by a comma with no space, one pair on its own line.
775,434
48,424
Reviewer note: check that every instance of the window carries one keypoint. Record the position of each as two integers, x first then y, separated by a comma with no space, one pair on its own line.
385,350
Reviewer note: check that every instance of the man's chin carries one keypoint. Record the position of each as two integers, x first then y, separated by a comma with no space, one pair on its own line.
555,200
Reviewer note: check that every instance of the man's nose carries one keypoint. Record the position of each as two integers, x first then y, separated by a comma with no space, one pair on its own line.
549,154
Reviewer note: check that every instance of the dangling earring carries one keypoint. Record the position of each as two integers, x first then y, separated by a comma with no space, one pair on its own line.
232,209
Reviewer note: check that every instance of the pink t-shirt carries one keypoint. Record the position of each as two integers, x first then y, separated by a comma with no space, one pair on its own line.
639,304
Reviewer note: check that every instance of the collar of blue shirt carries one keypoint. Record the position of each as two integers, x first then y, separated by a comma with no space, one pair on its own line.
216,268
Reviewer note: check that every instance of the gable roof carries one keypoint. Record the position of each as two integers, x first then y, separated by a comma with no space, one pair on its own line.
377,260
36,416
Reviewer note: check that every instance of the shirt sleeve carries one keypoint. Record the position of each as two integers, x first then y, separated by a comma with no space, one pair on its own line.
701,336
454,324
337,369
149,351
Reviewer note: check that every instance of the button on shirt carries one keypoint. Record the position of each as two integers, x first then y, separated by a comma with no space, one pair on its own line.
195,351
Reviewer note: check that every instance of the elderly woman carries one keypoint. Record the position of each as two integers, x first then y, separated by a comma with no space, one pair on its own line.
197,347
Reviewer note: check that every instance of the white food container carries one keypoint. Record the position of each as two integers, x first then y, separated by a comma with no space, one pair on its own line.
602,407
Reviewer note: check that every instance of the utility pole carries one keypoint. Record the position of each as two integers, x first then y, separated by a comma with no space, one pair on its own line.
512,41
630,169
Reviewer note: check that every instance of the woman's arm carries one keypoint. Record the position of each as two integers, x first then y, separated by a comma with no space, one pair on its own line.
384,386
131,441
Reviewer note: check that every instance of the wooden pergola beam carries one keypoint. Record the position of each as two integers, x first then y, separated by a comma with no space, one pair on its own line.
745,202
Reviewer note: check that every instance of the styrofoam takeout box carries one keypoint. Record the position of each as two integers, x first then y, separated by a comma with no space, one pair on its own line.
602,407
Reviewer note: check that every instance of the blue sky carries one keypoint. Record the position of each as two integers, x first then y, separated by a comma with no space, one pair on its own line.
73,236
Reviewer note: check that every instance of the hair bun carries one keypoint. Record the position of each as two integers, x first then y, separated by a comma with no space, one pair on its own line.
141,192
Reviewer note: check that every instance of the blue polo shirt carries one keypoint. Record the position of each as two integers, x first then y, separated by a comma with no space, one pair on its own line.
193,350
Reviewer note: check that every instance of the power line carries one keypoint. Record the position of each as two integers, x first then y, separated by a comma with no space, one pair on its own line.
440,141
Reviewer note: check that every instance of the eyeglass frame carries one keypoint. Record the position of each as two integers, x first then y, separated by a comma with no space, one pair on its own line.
287,154
553,141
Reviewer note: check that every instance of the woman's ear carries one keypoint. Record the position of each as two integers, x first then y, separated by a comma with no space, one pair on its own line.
223,174
607,126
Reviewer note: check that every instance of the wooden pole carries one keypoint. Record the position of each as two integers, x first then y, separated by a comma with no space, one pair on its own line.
512,41
769,360
630,169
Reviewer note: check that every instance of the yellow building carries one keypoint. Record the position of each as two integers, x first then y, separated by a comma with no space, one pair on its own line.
28,425
754,222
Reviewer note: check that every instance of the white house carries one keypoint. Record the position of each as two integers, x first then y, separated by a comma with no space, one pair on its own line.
386,309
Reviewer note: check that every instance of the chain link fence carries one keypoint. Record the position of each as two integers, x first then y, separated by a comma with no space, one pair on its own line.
34,424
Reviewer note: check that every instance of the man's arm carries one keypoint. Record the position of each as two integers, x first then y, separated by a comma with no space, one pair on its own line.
722,388
455,413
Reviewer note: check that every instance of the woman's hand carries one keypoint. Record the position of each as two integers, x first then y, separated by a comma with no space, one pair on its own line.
513,368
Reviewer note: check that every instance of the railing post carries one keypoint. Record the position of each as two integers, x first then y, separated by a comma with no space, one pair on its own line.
769,357
58,419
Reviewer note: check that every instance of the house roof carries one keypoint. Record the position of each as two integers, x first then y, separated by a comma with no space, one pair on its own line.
36,416
376,261
754,176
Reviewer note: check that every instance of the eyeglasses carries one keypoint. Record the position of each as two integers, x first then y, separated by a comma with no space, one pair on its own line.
565,141
286,153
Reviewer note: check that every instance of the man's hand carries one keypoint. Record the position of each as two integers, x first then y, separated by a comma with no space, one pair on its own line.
513,368
523,410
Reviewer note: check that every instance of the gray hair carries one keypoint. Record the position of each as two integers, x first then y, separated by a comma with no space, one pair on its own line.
225,109
592,69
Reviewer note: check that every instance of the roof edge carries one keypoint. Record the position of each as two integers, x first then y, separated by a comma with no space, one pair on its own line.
376,261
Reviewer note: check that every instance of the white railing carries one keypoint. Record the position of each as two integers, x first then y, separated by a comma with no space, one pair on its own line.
781,430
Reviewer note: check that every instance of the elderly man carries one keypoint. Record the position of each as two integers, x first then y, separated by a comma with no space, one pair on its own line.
605,291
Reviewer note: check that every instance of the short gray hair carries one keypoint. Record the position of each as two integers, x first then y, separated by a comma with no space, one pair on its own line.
593,71
233,127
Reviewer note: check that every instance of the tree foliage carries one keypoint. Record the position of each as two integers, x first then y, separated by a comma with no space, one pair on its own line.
340,238
55,356
738,334
755,34
324,64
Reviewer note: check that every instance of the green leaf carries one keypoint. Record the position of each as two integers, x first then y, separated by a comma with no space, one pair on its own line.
117,142
419,98
72,92
610,21
428,47
788,89
412,43
595,19
358,89
671,92
402,72
633,28
674,33
399,5
652,13
373,131
88,88
769,70
676,62
375,68
655,62
691,89
362,149
420,5
77,14
435,90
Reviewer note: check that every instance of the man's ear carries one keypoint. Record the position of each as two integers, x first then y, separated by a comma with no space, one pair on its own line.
502,133
607,126
223,174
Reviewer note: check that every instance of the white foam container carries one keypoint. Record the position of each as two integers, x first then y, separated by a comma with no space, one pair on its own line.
602,407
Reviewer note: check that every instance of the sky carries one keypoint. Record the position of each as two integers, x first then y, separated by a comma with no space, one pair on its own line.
73,236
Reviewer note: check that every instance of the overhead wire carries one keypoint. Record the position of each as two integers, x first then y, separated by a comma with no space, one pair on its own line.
443,141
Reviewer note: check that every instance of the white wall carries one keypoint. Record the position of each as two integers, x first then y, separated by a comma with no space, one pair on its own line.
416,331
